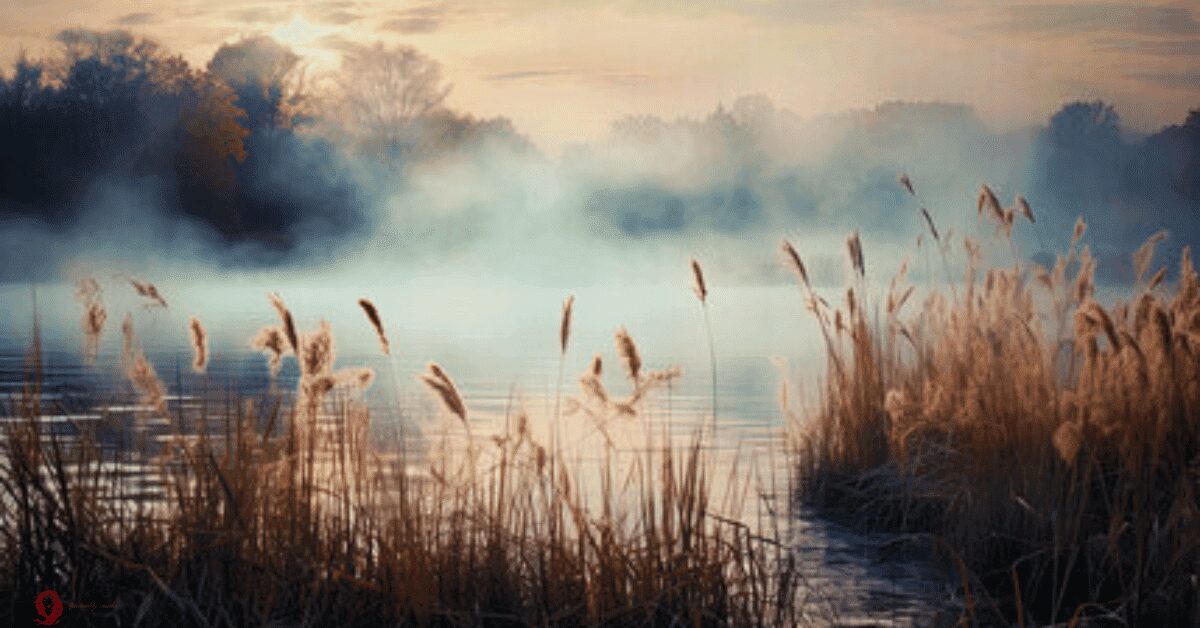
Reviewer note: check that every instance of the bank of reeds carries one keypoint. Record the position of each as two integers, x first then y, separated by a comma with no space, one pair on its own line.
1045,439
282,513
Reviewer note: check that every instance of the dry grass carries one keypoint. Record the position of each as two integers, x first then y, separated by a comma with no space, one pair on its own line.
1048,442
293,515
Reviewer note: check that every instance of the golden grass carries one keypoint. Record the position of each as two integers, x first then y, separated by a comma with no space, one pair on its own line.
1047,442
265,525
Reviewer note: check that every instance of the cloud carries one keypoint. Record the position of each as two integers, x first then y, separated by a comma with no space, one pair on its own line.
1169,80
522,75
425,18
339,18
137,19
260,15
611,79
1161,48
1067,19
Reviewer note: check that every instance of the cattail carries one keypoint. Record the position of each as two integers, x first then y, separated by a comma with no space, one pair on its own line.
698,284
596,367
932,229
199,345
854,246
792,258
270,340
907,183
445,388
289,326
564,327
149,291
373,315
1025,210
629,354
1145,253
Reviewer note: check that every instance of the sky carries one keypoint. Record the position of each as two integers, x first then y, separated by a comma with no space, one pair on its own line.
562,72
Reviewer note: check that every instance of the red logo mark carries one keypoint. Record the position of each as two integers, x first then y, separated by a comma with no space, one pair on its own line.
49,606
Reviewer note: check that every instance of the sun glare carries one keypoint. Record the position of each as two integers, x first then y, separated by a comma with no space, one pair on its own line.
299,31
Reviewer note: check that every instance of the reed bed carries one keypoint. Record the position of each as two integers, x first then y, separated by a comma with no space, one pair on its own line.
1045,442
286,511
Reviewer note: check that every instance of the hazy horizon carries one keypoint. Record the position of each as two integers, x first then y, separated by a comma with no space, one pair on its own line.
563,74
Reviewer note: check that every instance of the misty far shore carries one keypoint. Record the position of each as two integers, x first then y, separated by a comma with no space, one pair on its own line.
116,149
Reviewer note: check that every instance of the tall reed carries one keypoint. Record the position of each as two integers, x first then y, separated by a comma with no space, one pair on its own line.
1046,440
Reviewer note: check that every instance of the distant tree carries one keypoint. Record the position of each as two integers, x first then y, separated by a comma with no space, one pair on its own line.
380,94
1084,162
267,77
1172,157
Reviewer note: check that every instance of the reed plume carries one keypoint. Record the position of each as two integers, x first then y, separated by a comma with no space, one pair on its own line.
271,340
564,328
1145,253
126,339
854,246
94,316
440,382
1025,210
144,378
140,372
907,183
149,291
792,259
932,229
199,345
701,290
289,325
698,284
317,352
987,200
628,352
1080,229
373,315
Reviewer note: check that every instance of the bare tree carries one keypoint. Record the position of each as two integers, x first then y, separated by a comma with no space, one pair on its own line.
381,93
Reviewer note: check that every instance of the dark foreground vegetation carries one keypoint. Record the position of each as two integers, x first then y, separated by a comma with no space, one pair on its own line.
1044,438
